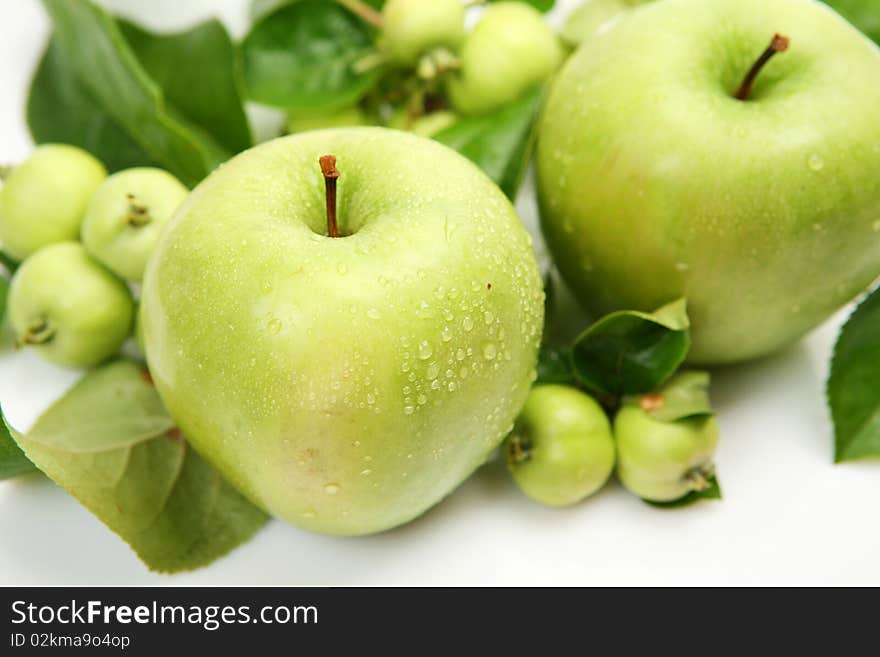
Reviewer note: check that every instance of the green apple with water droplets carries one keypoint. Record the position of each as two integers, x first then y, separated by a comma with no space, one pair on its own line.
655,181
345,384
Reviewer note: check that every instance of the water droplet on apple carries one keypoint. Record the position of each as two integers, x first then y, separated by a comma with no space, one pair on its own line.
408,410
433,371
446,334
451,387
489,351
422,400
463,373
467,323
332,489
435,384
488,317
274,325
815,162
366,472
425,350
460,354
373,313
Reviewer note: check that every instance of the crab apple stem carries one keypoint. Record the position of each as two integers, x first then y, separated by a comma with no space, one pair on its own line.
779,43
137,212
331,173
363,11
38,331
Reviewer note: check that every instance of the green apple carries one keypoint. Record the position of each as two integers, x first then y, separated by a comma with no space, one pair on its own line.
594,16
864,14
410,28
63,303
43,199
126,215
510,51
656,182
303,122
344,384
664,461
561,450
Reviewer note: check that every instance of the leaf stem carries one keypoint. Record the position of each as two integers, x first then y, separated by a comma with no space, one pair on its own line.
779,43
331,173
363,11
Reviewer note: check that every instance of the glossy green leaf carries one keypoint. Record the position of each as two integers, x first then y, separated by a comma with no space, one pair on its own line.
133,113
684,395
712,492
554,365
196,71
13,462
630,352
854,384
110,443
303,56
499,143
61,110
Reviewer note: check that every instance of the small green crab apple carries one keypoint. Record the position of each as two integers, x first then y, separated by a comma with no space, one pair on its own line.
411,28
561,449
67,306
43,199
662,461
510,51
126,215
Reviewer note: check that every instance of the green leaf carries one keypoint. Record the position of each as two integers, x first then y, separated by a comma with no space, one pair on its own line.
8,262
854,384
4,292
499,143
630,352
554,365
540,5
133,113
60,109
685,395
303,56
196,70
13,462
110,443
712,492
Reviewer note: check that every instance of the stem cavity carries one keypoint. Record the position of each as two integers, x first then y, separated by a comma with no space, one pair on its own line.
331,173
38,332
138,215
778,44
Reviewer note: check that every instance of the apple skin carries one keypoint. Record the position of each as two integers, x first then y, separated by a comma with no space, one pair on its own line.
570,449
44,198
864,14
344,384
510,51
89,309
594,16
106,230
654,458
412,27
655,183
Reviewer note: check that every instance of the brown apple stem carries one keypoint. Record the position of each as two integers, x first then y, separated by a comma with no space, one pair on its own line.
779,43
363,11
331,173
138,215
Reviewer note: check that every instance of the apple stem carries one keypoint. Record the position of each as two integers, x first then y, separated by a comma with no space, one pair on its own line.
779,43
363,11
331,173
519,448
137,212
652,402
38,331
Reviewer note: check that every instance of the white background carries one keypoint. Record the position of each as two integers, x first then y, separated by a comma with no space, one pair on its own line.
788,516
